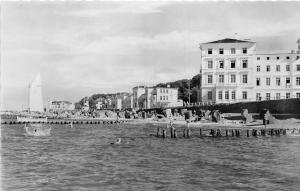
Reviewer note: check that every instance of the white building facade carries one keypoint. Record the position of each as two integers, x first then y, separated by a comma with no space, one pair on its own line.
227,69
233,71
155,97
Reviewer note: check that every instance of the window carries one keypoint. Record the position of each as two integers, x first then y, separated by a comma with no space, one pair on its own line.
226,94
221,51
233,95
287,57
268,58
257,81
287,95
298,81
209,51
163,97
210,64
244,95
232,78
220,94
245,63
166,97
277,95
221,78
232,63
258,97
278,81
288,80
244,50
209,95
278,68
160,90
298,67
245,78
278,58
268,81
268,68
258,58
160,97
258,68
221,64
287,67
297,95
268,95
232,50
209,79
297,57
166,90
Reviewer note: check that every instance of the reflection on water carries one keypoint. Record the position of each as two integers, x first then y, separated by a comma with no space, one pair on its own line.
82,158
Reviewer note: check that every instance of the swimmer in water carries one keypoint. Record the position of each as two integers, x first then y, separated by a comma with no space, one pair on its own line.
117,142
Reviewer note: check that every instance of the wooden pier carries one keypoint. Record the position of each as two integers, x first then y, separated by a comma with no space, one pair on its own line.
72,121
217,132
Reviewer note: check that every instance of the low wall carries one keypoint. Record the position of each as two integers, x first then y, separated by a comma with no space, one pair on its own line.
284,106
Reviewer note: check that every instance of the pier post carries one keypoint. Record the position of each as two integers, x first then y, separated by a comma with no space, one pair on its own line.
158,132
171,132
218,133
232,132
200,132
212,132
226,132
248,133
188,133
183,133
164,133
175,134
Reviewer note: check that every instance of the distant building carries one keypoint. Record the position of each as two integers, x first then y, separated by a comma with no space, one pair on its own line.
155,97
233,71
60,106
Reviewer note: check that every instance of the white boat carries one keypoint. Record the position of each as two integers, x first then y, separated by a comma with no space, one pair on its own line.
32,119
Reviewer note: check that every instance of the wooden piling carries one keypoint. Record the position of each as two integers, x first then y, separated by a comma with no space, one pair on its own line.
175,133
188,133
158,132
219,133
164,134
200,132
171,132
183,133
226,132
232,133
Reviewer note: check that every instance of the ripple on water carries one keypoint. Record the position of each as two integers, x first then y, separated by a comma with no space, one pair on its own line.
82,158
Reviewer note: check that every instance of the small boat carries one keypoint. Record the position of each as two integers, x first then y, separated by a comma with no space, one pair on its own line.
37,130
117,142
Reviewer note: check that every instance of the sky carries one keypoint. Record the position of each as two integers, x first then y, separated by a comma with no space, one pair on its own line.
83,48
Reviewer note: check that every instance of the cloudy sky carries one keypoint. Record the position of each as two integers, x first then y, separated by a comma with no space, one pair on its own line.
82,48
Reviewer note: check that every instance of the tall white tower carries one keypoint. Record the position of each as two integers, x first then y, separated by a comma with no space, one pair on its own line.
35,95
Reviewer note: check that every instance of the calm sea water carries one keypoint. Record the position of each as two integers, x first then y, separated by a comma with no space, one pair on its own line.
82,158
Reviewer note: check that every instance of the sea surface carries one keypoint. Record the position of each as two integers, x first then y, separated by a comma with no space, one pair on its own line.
82,158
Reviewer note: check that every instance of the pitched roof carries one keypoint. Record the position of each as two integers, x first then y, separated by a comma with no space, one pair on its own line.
227,40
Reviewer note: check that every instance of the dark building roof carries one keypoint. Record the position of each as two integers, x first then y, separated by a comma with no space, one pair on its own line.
227,40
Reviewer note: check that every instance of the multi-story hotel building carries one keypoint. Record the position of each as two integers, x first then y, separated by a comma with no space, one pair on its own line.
233,71
227,69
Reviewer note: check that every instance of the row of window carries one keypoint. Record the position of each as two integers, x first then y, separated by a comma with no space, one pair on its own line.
232,64
163,97
221,51
245,95
277,96
278,81
226,95
268,68
232,78
163,90
277,58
